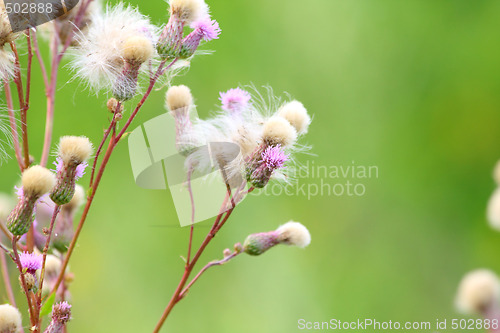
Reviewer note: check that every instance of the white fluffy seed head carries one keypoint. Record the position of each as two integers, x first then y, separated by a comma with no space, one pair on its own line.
478,291
10,319
37,181
297,116
178,97
188,11
294,233
138,49
52,266
75,149
493,210
77,199
278,131
98,59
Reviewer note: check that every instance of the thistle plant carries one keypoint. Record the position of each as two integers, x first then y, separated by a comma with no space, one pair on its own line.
479,290
119,54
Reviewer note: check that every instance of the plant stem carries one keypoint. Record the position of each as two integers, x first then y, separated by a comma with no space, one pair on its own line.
115,139
207,266
6,279
187,271
191,229
103,141
42,273
23,281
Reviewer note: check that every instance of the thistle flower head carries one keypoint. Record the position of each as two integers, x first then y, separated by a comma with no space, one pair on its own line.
291,233
74,149
478,291
278,131
235,100
71,164
61,312
294,233
297,116
30,261
37,181
10,319
178,97
274,158
206,28
188,11
118,32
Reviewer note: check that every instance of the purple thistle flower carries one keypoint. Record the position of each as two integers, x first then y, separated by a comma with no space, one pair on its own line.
61,312
206,28
30,261
234,100
274,157
19,191
80,169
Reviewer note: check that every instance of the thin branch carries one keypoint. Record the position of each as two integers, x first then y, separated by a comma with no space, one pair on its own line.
207,266
13,126
23,280
40,59
6,279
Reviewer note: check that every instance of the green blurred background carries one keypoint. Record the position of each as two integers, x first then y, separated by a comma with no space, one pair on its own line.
411,87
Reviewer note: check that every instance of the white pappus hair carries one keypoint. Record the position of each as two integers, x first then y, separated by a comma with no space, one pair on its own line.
98,59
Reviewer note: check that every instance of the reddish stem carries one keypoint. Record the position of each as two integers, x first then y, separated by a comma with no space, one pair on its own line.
42,273
6,279
13,127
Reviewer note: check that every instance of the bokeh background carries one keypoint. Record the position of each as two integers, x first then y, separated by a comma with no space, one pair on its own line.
411,87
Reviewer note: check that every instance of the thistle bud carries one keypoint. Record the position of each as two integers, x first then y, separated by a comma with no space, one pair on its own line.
478,292
136,51
261,167
291,233
182,12
297,116
61,315
10,319
36,181
205,29
180,101
112,105
30,280
71,163
238,247
257,244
